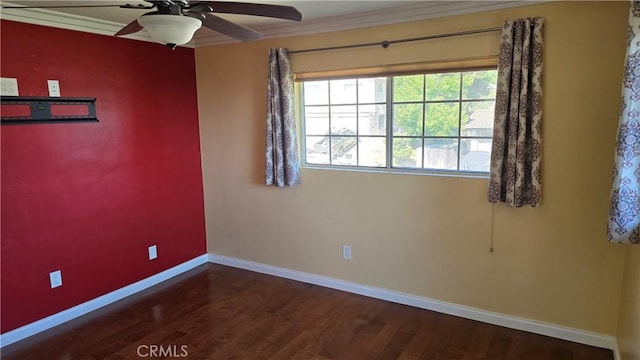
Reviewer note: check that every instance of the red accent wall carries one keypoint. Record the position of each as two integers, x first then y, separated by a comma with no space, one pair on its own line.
89,198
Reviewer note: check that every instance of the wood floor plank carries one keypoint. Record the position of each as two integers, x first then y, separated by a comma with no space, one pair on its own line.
422,338
217,312
480,341
499,346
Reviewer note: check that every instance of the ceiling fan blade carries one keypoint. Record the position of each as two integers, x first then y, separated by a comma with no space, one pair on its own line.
221,25
274,11
137,6
132,27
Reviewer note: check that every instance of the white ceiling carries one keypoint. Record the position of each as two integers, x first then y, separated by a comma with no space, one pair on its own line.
318,16
310,9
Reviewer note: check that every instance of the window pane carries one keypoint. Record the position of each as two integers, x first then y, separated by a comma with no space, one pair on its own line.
372,151
408,88
343,91
441,154
343,117
406,152
317,149
477,118
316,92
475,154
407,119
316,120
443,87
479,84
343,150
372,90
372,120
441,119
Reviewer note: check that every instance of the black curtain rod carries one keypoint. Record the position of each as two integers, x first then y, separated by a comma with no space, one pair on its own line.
385,44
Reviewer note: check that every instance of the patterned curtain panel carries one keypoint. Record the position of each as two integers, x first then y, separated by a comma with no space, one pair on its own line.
624,211
514,177
282,167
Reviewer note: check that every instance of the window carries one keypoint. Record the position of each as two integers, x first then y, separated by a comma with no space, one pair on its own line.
435,121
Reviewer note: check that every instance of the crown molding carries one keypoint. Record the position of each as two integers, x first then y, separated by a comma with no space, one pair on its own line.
407,13
422,10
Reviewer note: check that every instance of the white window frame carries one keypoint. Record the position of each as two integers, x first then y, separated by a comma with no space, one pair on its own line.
389,136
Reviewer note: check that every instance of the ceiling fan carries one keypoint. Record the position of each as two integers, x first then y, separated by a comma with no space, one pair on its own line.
173,22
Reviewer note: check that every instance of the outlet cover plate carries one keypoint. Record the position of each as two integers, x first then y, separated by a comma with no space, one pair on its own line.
55,278
153,252
346,252
9,87
54,88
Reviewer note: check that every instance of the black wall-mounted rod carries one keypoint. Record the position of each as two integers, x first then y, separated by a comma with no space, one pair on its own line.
385,44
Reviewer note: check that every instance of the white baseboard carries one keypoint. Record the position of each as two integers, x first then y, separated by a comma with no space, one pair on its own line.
56,319
616,350
579,336
513,322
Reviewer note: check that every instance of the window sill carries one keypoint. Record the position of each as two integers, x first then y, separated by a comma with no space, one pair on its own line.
401,171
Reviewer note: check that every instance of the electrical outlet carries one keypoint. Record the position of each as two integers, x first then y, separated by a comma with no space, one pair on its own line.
9,87
55,278
153,252
346,252
54,88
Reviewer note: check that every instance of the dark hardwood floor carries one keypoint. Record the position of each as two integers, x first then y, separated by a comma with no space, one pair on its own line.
217,312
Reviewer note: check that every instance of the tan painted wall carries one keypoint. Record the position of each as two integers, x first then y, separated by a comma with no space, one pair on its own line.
430,235
629,319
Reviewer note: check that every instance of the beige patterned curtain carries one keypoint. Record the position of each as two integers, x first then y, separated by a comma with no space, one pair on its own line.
282,166
514,177
624,211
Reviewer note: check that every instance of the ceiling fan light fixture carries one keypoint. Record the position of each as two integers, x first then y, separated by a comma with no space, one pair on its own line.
170,29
